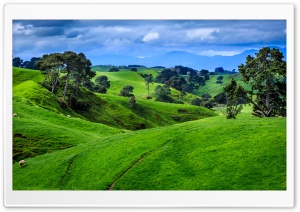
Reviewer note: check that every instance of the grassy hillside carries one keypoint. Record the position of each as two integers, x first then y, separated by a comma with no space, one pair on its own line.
213,88
120,79
21,74
115,111
91,149
42,125
209,154
125,77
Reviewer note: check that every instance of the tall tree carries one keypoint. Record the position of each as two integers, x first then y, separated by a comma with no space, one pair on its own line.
70,60
82,71
51,66
148,78
235,97
266,74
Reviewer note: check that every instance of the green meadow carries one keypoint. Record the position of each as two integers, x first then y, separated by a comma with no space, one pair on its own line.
149,146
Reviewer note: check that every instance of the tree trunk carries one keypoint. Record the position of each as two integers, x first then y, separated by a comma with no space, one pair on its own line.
148,87
54,84
66,86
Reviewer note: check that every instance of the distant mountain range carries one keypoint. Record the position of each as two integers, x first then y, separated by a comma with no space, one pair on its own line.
183,58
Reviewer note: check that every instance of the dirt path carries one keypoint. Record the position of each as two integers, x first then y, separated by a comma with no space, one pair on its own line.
134,164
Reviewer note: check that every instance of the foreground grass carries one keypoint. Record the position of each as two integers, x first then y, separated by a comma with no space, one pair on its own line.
248,153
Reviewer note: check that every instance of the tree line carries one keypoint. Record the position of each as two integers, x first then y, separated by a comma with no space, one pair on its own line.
265,74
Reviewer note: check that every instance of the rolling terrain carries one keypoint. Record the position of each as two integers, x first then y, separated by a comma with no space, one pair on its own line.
151,146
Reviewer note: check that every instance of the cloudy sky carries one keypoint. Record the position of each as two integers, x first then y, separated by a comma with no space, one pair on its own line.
144,38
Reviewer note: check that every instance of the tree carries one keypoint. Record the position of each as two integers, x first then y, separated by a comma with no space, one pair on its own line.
219,69
148,78
51,66
17,62
266,74
82,72
103,84
235,97
133,69
219,79
204,72
162,93
220,98
196,101
165,75
113,70
126,91
70,60
132,101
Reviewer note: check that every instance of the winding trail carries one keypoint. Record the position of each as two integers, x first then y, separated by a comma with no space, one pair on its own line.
69,167
111,187
113,184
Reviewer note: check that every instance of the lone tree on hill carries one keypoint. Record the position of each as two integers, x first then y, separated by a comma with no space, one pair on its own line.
102,84
127,91
266,74
148,78
219,79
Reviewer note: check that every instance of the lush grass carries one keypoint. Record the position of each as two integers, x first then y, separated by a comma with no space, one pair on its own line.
209,154
21,75
125,77
214,88
115,111
120,79
41,125
76,153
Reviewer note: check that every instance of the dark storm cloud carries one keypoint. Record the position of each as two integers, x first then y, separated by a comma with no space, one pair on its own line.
146,37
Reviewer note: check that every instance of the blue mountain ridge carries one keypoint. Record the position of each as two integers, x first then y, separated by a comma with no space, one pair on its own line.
183,58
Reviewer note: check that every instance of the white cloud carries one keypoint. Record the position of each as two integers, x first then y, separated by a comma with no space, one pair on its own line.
202,33
151,36
116,42
223,53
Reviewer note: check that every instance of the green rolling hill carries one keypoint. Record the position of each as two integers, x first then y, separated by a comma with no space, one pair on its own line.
151,146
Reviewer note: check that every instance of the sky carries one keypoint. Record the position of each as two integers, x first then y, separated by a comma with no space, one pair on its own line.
144,38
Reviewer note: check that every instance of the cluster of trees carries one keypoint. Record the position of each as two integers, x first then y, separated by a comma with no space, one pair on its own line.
18,62
172,78
67,71
266,75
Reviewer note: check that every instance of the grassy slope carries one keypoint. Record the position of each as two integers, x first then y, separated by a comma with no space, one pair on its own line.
213,153
213,88
125,77
21,74
115,111
41,125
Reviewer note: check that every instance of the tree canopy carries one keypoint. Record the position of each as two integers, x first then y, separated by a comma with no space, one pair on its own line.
266,74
